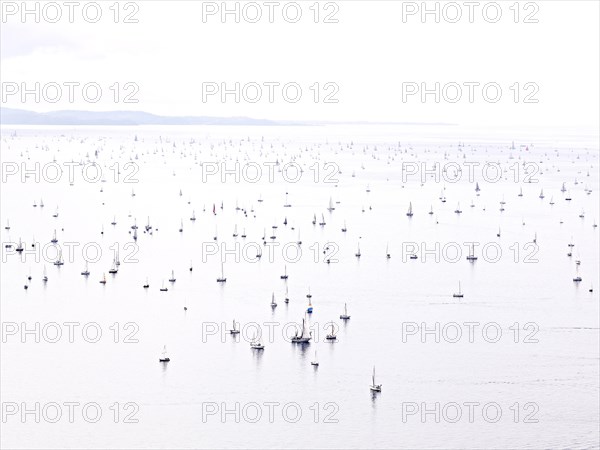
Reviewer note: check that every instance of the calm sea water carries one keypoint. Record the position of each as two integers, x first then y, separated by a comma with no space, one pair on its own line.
535,386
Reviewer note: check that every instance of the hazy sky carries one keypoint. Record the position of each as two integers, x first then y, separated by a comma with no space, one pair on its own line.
368,54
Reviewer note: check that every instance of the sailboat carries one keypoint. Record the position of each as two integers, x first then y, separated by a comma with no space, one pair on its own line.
85,272
304,336
45,277
164,358
344,229
314,221
234,330
521,192
172,279
431,211
193,218
330,208
286,205
287,298
103,280
331,336
315,362
255,344
163,288
322,222
471,256
477,187
181,226
7,227
375,387
498,234
114,269
542,194
235,232
54,239
285,275
457,210
460,294
357,254
410,210
273,303
345,316
387,253
146,284
577,278
222,279
59,261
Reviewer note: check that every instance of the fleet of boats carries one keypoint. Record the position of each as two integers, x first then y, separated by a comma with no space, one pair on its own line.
290,221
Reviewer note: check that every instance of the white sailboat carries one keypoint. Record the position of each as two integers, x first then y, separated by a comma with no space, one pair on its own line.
374,386
460,294
234,330
304,336
255,344
86,271
164,358
331,336
273,303
471,256
172,279
410,210
59,261
113,270
222,279
316,361
330,208
345,316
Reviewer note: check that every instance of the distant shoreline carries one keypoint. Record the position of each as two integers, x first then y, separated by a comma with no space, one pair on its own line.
12,116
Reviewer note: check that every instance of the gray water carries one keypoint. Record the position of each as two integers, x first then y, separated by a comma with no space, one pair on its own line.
545,384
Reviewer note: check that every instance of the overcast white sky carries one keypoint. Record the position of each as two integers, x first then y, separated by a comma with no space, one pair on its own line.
369,53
